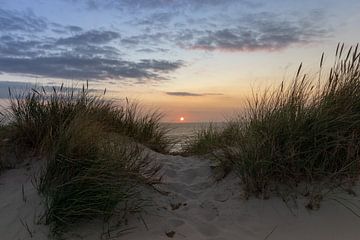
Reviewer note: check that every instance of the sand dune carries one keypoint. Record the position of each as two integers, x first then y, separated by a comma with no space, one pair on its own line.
191,206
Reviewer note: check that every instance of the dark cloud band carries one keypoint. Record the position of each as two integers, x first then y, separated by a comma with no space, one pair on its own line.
21,21
264,31
88,68
84,55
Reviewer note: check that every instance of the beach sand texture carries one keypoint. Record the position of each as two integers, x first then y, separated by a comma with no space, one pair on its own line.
191,205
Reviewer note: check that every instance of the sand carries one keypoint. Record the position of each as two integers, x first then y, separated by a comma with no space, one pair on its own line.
192,205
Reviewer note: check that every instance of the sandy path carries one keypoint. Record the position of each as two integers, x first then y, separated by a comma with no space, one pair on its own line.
199,208
195,207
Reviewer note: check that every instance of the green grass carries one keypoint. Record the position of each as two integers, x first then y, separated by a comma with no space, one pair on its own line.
211,137
304,131
37,116
208,136
4,146
92,173
95,159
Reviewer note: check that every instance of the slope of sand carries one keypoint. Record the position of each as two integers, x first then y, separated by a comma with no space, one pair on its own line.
191,206
20,205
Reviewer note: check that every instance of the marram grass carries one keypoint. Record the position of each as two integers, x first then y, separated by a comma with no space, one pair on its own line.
95,159
207,137
92,173
36,117
304,131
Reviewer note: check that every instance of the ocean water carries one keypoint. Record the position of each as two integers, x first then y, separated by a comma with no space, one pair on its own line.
180,132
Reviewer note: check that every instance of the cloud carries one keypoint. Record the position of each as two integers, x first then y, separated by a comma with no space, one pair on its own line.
73,28
18,88
18,47
60,29
156,19
160,66
90,51
190,94
14,46
160,4
263,31
87,54
71,67
69,51
153,50
48,58
148,38
14,86
90,37
21,21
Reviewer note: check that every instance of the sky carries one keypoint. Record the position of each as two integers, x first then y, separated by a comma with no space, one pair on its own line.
197,59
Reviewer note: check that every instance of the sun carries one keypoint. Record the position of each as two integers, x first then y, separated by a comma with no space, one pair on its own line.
182,119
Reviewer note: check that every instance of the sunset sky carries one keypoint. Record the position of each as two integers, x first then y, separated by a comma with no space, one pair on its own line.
193,58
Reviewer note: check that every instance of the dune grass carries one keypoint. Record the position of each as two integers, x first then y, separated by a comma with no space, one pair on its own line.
94,151
92,173
305,131
2,165
210,137
3,145
207,137
38,115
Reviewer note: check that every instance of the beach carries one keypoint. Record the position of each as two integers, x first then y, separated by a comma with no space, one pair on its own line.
188,204
179,119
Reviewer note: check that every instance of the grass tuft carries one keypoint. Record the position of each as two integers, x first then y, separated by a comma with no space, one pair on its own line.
96,161
305,131
89,173
208,136
36,117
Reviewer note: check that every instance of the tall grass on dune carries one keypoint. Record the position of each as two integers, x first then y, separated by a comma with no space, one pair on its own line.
307,130
95,159
5,149
92,173
37,116
2,164
210,137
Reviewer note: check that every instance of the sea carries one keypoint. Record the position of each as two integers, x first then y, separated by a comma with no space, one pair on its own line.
181,132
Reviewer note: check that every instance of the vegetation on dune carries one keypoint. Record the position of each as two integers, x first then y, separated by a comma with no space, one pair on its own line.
92,173
1,147
94,164
4,146
205,138
37,116
305,131
210,137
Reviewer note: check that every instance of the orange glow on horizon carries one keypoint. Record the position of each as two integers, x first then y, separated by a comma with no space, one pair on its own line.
182,119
